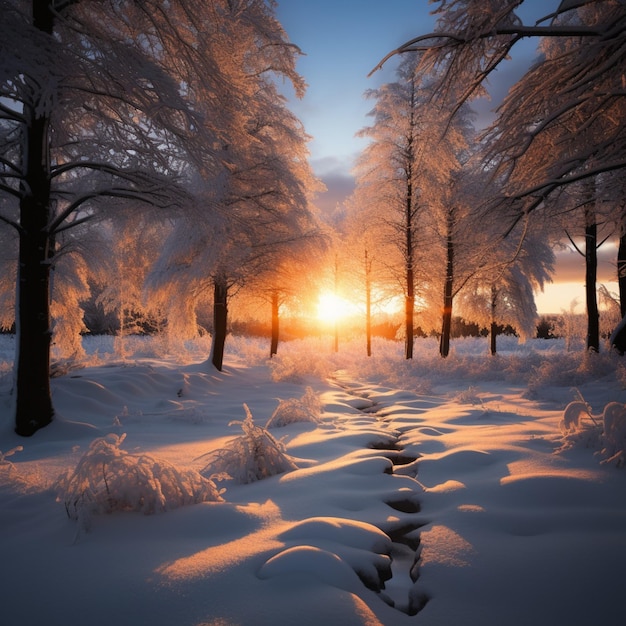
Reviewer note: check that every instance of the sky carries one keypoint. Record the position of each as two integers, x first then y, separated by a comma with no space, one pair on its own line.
342,41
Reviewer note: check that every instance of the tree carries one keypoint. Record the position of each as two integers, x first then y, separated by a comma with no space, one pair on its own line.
388,180
361,252
411,134
86,115
502,294
133,242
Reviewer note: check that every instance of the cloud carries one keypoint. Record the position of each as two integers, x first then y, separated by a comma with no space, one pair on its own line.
570,265
338,187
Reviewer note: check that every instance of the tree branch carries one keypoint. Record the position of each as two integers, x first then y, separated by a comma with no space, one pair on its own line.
14,224
451,40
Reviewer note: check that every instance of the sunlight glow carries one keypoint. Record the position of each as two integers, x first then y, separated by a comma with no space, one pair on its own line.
389,306
331,308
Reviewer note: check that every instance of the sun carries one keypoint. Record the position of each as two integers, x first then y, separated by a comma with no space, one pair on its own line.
331,308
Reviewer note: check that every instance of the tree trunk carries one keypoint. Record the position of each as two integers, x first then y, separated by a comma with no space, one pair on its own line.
368,304
33,407
220,321
591,271
493,333
493,338
409,305
621,269
33,404
409,302
275,324
446,324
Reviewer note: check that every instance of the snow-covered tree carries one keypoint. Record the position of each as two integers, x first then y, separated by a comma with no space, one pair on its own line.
388,180
363,256
502,294
410,179
134,242
91,118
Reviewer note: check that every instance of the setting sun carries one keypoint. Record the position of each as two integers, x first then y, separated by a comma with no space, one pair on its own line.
331,307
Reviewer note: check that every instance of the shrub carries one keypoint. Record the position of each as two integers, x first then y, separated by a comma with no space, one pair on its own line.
109,479
305,409
252,456
614,435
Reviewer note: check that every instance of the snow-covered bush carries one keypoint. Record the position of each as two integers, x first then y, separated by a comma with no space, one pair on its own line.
304,409
252,456
109,479
578,426
18,479
4,463
292,367
469,396
567,369
573,414
606,432
614,434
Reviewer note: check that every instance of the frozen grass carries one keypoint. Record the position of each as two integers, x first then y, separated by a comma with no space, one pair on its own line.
537,364
294,410
253,456
109,479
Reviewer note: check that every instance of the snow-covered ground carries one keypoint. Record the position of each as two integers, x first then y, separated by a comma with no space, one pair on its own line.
441,485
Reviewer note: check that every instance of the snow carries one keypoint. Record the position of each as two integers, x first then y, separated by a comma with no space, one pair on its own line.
442,485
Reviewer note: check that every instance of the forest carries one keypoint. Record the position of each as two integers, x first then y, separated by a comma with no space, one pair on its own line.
152,175
222,405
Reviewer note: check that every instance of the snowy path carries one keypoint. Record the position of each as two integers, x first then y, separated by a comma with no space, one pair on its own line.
509,531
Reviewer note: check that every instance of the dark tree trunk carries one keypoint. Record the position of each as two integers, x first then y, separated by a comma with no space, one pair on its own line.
493,339
446,323
275,324
33,404
33,408
409,305
368,304
220,322
493,333
409,302
621,270
591,271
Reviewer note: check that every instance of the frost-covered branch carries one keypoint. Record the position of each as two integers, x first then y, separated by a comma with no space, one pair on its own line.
444,41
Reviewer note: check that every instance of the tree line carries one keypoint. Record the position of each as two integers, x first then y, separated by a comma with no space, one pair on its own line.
468,218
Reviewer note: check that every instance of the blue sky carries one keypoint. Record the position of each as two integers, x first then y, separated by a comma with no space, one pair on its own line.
343,40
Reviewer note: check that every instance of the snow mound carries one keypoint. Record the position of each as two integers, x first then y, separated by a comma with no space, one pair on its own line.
322,565
253,456
108,479
304,409
362,546
349,532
